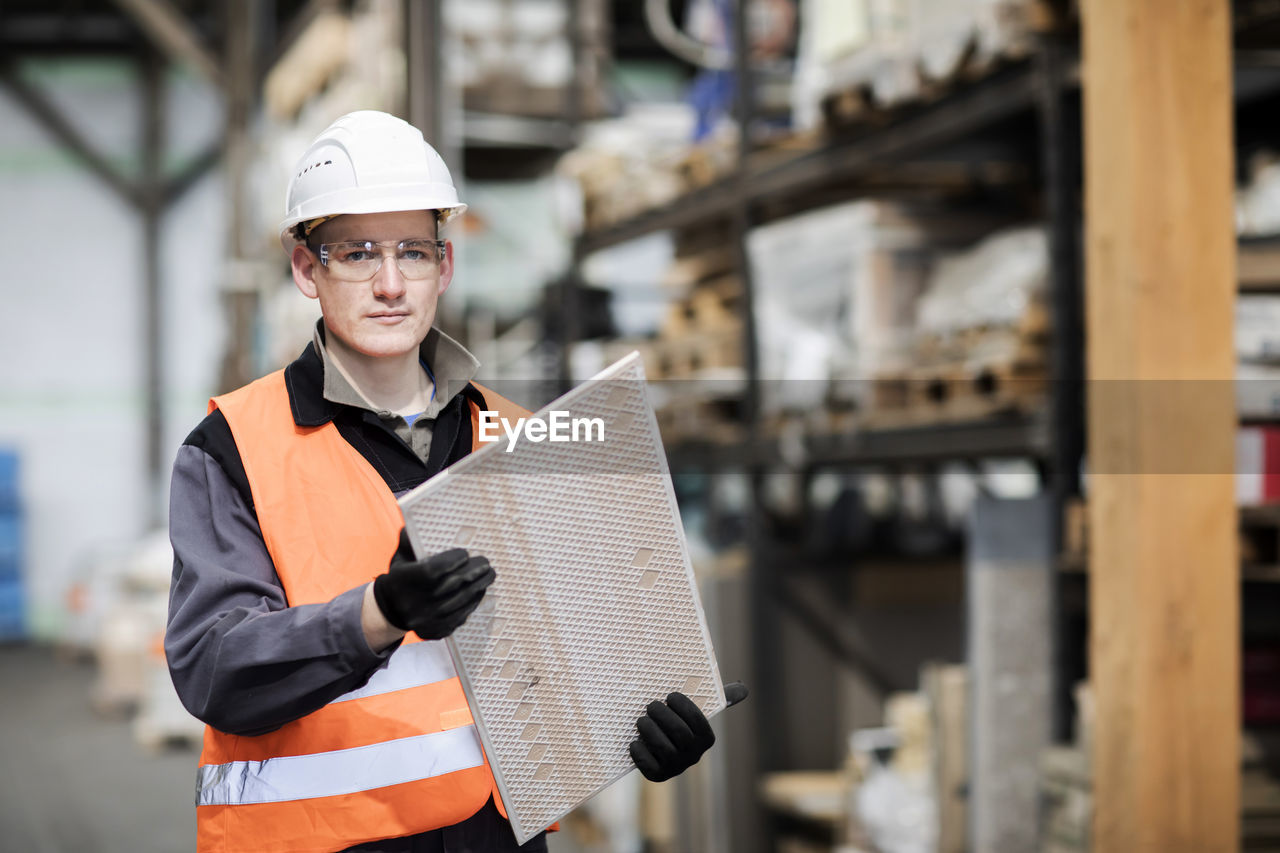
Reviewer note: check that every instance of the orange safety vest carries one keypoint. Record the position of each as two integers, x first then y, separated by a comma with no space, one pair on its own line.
396,757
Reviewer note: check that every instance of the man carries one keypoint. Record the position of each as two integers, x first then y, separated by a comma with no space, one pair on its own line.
302,629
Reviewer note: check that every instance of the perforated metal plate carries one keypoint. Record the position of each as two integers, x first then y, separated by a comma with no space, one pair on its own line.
594,612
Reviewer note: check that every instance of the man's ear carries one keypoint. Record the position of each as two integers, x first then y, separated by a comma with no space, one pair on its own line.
446,267
304,270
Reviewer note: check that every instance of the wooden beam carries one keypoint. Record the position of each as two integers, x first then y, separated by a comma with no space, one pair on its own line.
57,125
177,185
1160,290
173,34
316,56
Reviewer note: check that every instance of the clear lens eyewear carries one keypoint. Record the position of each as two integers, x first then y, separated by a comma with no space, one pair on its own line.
360,260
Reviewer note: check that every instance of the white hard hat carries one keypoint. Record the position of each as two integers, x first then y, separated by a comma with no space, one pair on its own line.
368,162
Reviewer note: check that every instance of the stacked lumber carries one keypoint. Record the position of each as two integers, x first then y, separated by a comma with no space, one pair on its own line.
647,160
319,54
706,162
638,165
700,335
978,372
697,358
702,332
613,186
862,60
980,347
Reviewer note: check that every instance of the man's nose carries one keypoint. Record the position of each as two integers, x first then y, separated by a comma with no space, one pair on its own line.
388,282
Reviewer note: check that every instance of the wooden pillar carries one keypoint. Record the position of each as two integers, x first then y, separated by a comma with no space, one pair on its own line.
1160,288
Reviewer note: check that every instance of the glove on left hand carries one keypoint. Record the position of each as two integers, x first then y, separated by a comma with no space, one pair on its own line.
675,734
431,597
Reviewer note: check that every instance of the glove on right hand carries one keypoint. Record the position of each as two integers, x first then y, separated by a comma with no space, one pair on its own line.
431,597
675,734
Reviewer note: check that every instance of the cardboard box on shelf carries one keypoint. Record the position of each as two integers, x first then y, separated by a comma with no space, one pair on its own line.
627,165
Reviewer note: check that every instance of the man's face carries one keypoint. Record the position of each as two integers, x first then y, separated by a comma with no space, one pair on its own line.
388,315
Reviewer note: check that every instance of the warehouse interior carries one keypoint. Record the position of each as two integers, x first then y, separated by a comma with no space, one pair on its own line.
957,321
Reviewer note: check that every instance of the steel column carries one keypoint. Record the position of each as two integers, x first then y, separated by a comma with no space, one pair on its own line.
153,143
1060,163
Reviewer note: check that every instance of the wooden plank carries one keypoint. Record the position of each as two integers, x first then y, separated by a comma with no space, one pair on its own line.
1160,282
947,687
318,54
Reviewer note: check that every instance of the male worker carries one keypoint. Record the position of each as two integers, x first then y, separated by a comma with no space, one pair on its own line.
301,626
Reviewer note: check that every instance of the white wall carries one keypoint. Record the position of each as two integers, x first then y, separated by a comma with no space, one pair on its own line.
71,347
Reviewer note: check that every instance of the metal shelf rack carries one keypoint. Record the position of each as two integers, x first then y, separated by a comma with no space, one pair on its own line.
1028,110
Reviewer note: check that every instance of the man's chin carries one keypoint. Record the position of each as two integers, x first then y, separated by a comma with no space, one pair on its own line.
388,345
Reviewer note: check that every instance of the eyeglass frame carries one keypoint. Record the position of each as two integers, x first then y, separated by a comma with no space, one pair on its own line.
322,253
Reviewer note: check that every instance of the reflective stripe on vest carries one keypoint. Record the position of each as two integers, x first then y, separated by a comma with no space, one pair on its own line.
395,757
343,771
409,666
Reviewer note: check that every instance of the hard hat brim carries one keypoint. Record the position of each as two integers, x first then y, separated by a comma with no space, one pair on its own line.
333,205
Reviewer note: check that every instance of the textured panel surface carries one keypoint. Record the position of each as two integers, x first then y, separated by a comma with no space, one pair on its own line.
594,612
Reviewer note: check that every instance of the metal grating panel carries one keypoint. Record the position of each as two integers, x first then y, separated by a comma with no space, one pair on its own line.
594,612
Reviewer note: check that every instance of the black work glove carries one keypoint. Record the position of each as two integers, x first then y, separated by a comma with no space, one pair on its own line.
674,734
431,597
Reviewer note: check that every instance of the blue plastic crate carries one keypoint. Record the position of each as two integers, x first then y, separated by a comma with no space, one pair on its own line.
10,569
10,499
13,619
10,538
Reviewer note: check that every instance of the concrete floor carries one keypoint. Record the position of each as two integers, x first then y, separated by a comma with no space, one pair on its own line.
73,781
